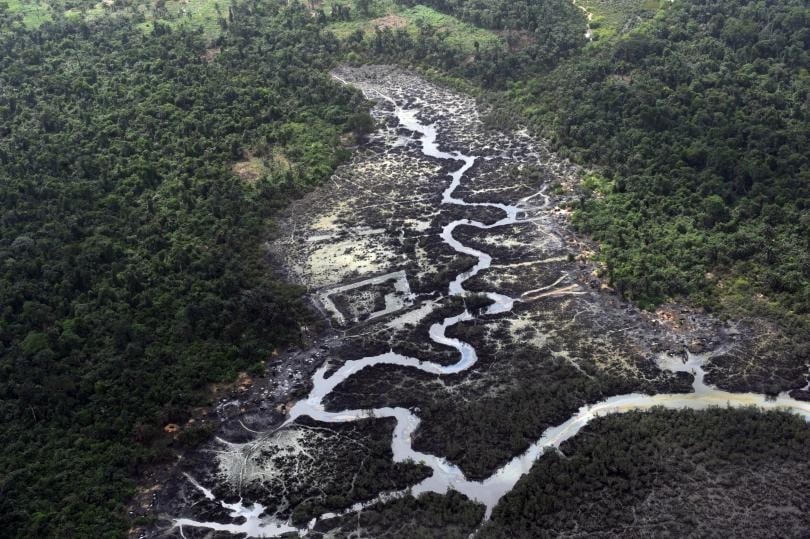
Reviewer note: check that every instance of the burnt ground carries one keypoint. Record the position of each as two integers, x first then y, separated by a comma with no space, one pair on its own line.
570,340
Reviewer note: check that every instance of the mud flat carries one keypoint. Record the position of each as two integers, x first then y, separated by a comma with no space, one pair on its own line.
469,337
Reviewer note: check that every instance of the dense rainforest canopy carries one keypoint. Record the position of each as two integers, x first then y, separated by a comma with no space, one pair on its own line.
130,266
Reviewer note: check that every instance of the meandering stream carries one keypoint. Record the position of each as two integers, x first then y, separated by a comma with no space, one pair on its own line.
445,475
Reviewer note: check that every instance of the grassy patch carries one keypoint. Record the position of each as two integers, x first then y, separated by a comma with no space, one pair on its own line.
386,13
611,17
37,12
271,167
460,34
197,13
34,13
93,12
174,13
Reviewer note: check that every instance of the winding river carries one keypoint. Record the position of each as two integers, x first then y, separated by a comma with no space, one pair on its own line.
445,475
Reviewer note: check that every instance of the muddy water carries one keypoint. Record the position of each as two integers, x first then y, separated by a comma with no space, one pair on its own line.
445,475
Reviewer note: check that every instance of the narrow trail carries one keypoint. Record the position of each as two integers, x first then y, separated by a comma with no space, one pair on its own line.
445,475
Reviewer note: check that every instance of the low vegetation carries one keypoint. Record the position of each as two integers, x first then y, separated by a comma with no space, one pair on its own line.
349,18
31,14
212,16
704,190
